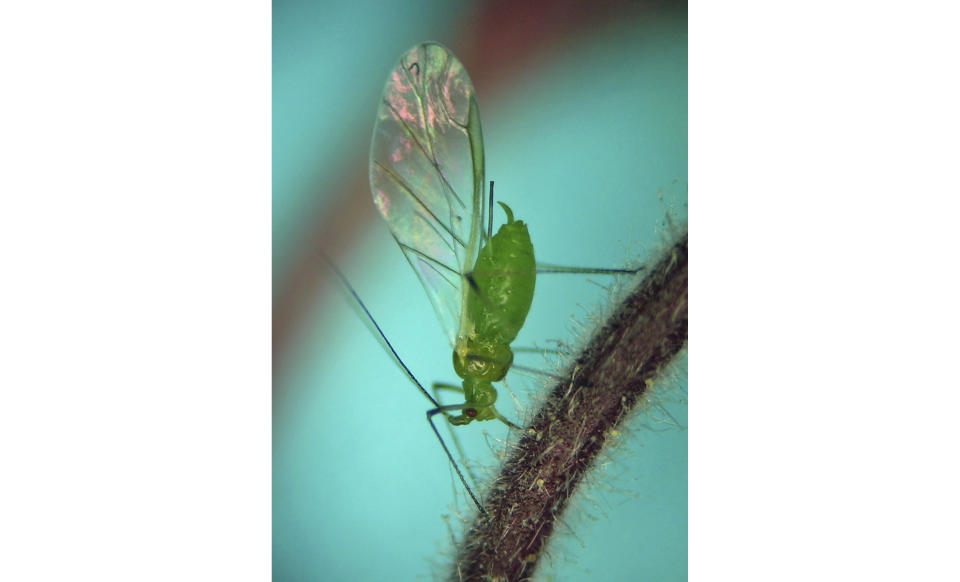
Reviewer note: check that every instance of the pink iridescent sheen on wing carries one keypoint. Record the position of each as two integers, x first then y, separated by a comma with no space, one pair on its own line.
426,172
382,202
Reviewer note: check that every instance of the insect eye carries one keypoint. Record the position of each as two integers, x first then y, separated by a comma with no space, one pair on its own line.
471,412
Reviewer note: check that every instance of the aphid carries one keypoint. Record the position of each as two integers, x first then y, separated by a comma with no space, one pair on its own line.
427,180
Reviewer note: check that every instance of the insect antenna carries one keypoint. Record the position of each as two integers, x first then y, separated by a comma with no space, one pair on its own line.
438,408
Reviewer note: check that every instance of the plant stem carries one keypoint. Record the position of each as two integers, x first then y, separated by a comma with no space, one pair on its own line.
605,382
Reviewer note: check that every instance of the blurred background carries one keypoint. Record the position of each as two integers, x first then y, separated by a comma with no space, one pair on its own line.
584,112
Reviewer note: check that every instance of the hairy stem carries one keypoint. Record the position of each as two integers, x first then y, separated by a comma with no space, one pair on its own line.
604,384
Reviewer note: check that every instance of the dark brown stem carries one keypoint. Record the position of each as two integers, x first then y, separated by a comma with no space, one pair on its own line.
611,375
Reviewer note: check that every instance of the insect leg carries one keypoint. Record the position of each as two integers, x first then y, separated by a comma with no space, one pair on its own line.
535,350
443,410
490,213
504,420
536,372
436,387
388,347
548,269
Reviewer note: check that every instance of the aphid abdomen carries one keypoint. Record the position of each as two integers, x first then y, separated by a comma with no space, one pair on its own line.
504,275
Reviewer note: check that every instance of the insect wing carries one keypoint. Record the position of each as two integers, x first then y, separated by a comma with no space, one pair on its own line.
426,173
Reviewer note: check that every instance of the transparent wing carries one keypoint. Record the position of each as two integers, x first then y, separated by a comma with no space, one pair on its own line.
426,172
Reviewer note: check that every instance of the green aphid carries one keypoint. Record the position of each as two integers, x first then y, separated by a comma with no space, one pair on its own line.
427,180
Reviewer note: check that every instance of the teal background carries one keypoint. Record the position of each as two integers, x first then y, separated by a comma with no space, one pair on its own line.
580,143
